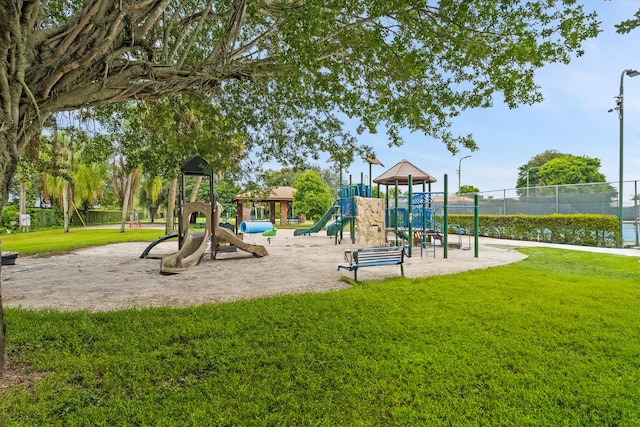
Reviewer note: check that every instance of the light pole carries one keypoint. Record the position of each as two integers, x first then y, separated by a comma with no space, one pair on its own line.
620,108
459,164
530,169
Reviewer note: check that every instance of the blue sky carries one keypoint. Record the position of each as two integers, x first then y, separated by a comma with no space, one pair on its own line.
572,119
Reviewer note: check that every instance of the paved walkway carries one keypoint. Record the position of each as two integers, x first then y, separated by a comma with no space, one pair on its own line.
521,243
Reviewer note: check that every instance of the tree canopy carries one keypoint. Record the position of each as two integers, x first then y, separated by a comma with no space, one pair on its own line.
468,189
285,73
571,170
629,24
554,168
528,173
312,197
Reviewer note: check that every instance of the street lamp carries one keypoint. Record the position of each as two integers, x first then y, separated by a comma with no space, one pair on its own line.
620,109
459,164
530,169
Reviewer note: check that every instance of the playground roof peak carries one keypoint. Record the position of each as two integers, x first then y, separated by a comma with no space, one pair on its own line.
400,172
196,166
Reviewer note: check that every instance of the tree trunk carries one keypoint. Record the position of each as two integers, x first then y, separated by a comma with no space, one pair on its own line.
133,184
171,206
9,155
23,198
125,200
3,350
196,187
65,205
114,181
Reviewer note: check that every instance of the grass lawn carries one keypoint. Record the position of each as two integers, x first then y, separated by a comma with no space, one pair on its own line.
551,340
53,241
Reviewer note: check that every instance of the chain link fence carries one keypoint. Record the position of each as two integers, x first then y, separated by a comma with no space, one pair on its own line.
598,198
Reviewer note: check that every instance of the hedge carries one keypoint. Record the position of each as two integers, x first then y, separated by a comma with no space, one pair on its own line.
575,229
48,218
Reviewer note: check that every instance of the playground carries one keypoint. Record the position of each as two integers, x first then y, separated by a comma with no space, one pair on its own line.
261,264
113,277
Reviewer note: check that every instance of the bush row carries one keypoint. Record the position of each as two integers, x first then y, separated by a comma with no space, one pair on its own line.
575,229
47,218
98,217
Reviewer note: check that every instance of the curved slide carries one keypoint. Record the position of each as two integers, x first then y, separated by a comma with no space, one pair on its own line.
256,250
323,221
195,244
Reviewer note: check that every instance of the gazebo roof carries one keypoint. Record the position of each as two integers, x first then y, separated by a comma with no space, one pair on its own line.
400,172
275,194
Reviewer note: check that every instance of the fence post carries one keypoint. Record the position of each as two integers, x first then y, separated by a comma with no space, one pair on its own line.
635,205
476,226
445,220
504,200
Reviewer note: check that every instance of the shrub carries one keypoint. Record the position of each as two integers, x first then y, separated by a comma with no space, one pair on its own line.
10,219
576,229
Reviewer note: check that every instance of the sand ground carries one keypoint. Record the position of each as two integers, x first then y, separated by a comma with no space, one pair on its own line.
113,277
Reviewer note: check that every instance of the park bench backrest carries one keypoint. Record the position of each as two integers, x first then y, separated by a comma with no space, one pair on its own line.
382,256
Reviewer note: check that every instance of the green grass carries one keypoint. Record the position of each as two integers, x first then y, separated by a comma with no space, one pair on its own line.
551,340
55,241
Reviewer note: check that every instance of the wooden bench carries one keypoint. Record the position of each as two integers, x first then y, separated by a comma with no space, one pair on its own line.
373,257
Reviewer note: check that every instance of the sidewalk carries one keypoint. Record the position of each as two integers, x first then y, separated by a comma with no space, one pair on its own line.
489,241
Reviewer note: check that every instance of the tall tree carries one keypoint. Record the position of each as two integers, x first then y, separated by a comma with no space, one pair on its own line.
283,177
150,195
282,71
159,136
312,197
571,170
528,173
553,168
59,170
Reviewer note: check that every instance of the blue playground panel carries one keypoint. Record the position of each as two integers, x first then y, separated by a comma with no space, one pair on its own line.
347,201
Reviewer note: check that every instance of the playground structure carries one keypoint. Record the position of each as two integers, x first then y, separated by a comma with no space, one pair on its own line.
317,227
417,219
341,213
193,246
420,218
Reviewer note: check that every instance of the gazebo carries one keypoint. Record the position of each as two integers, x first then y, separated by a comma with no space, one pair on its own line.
282,195
399,173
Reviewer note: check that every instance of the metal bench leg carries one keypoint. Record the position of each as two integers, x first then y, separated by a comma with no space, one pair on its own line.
402,270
